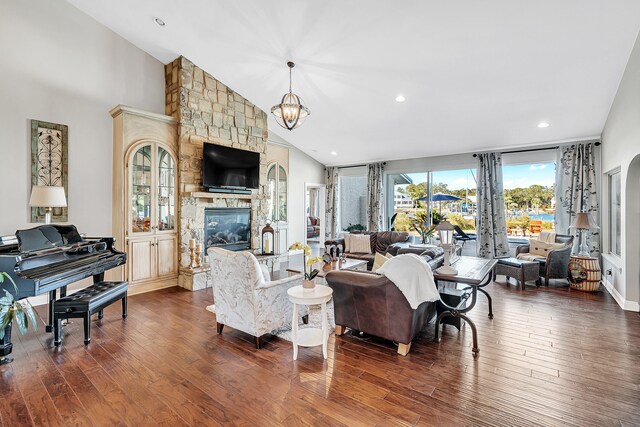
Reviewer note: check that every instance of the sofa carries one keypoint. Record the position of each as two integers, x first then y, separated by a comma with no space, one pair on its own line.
371,303
313,227
380,242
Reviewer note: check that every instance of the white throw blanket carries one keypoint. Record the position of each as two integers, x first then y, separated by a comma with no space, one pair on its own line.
413,276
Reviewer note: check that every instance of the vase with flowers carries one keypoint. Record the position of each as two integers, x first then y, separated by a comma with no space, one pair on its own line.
308,261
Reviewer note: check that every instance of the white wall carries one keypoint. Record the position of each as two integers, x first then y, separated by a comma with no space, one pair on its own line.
621,149
302,169
59,65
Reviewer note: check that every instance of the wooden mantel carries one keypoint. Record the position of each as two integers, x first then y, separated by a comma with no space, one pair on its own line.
207,195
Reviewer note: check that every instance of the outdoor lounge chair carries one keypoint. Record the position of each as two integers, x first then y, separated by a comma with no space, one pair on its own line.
461,236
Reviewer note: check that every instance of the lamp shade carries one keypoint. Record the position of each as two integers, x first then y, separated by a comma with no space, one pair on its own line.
445,229
583,221
48,197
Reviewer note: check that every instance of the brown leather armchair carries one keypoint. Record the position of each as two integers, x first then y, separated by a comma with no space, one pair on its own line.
373,304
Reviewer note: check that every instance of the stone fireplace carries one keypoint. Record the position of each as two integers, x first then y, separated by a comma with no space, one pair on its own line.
227,228
209,111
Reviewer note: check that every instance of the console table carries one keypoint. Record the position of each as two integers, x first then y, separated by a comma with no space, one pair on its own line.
476,272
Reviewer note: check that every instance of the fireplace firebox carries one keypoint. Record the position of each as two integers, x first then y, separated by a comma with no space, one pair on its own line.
228,228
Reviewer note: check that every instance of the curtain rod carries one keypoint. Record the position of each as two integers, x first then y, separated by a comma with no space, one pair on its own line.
597,143
357,166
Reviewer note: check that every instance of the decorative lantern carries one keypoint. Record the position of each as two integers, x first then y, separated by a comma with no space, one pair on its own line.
445,229
267,239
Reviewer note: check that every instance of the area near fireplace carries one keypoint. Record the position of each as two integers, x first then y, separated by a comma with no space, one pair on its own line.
208,111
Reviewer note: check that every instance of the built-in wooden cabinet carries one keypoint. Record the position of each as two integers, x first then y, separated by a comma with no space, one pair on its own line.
277,188
145,197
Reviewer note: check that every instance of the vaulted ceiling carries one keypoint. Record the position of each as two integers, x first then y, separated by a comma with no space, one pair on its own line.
476,75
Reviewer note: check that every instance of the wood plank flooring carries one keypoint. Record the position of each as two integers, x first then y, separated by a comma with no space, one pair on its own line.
549,357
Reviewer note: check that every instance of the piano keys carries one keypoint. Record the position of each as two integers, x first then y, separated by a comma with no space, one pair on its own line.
50,257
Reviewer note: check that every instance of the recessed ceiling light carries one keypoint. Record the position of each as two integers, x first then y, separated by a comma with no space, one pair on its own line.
333,153
543,125
159,21
400,98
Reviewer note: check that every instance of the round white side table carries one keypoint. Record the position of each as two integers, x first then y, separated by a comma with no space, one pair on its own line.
310,337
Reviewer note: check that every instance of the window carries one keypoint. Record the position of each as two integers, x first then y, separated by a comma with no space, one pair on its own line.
614,213
353,199
529,198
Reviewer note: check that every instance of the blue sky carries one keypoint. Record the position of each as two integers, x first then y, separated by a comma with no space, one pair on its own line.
514,176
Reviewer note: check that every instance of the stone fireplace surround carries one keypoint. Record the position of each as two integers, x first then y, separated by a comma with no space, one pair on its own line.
208,111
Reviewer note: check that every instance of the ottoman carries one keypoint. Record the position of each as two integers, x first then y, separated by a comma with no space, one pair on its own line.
520,269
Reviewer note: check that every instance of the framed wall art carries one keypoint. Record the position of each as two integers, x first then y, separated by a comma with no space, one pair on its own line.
49,164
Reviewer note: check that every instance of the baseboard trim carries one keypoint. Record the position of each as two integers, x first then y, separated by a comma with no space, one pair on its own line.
623,303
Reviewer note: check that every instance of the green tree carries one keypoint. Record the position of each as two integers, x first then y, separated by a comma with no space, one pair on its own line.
416,191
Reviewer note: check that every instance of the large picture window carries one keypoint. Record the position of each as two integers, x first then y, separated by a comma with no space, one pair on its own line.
614,213
353,199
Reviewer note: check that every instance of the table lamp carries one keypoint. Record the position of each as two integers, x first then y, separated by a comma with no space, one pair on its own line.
583,223
47,197
445,230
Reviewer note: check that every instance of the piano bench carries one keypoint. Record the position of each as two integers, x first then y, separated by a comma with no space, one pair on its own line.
86,302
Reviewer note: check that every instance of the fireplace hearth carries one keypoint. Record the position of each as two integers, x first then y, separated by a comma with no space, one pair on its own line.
227,228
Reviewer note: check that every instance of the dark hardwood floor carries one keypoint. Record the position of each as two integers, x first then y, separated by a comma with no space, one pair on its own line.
549,357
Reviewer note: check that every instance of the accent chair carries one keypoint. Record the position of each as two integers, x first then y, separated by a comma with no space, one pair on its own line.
246,298
556,264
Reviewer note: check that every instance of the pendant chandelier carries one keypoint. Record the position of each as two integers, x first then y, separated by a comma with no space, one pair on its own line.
290,113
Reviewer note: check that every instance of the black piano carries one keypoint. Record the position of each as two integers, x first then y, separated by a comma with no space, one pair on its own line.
50,257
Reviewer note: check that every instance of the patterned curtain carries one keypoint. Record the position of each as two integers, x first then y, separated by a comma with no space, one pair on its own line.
375,197
313,202
492,225
576,190
333,195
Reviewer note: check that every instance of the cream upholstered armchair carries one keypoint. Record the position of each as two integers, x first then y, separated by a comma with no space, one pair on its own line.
245,297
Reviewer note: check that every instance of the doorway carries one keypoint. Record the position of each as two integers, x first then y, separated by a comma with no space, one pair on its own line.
314,214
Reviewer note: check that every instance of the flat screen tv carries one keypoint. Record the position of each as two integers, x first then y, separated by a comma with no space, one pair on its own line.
231,168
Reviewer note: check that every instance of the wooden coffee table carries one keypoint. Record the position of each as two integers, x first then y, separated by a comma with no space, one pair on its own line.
476,272
347,264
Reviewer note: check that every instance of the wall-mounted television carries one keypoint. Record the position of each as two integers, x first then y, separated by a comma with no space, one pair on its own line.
226,168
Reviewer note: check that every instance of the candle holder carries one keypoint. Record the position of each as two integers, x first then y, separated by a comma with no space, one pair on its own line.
198,255
192,256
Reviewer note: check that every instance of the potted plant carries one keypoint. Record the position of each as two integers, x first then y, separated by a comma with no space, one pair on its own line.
11,310
309,272
421,224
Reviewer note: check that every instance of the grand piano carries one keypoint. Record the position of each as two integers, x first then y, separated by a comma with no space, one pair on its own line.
50,257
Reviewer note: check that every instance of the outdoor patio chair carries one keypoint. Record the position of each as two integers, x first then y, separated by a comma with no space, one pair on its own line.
461,236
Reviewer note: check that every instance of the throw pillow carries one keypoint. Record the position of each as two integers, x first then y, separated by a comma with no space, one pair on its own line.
379,261
347,242
360,244
265,273
536,247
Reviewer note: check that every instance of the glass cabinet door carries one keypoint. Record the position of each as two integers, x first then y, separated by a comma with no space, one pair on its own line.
282,194
141,190
271,191
166,199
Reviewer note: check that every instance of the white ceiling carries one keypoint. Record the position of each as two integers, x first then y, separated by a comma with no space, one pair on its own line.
476,74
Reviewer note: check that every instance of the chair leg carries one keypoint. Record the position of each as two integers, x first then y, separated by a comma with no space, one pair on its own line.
305,319
403,349
258,343
100,314
340,330
219,327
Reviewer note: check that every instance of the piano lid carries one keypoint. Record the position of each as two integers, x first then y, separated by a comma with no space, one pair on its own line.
47,237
